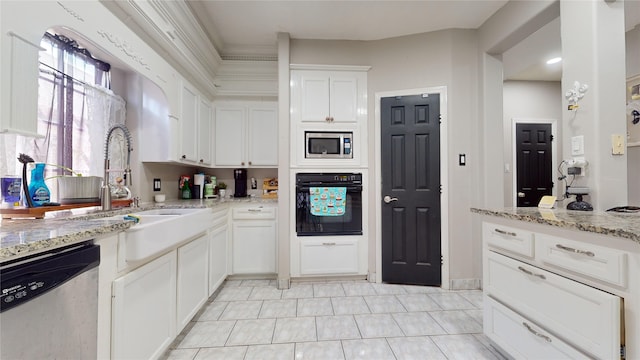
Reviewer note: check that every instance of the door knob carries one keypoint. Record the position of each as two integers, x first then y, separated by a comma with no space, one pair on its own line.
520,194
387,199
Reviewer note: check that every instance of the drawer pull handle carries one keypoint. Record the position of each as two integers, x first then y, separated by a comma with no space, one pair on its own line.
254,210
505,232
328,243
531,273
531,330
577,251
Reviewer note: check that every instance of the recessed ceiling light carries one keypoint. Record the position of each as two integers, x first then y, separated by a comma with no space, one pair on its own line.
554,60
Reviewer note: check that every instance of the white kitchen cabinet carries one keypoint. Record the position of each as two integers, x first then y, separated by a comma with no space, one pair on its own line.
328,96
254,240
144,310
192,280
328,256
205,124
188,123
218,240
246,135
20,104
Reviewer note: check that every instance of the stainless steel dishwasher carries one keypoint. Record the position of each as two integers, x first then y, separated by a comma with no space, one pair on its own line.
49,305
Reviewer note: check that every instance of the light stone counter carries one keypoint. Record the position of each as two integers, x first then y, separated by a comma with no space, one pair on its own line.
19,238
624,225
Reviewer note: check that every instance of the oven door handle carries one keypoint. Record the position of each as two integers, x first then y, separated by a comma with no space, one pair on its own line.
350,188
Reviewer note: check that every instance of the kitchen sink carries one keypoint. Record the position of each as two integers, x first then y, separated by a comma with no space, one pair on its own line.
162,229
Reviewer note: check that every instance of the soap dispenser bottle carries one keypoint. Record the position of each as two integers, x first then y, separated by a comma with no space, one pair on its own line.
38,190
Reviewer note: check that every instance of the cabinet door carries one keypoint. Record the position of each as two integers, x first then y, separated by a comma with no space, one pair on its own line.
343,100
263,137
144,303
193,285
229,135
204,133
314,96
188,118
319,256
254,247
217,258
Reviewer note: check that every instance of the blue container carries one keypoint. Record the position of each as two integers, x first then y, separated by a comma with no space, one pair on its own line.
11,187
38,190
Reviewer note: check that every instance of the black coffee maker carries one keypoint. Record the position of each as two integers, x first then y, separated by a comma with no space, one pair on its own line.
240,175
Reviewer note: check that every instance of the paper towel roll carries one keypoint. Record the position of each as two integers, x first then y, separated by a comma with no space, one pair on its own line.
198,179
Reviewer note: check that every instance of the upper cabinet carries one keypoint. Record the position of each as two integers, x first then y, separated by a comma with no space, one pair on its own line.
246,134
195,126
328,96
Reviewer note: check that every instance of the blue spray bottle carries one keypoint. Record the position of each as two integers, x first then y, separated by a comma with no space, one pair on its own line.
38,190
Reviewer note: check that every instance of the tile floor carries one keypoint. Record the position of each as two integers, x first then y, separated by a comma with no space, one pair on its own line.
252,319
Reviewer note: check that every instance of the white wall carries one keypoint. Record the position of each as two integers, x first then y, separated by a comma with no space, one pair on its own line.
528,100
444,58
633,153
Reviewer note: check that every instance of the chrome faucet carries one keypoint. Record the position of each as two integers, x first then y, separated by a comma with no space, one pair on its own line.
105,191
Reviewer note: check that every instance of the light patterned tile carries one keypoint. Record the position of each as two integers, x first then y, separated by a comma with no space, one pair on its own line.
322,350
358,289
222,353
234,294
417,323
328,290
456,322
265,293
180,354
315,307
384,304
418,289
252,332
418,302
389,289
377,325
476,314
232,283
298,292
212,311
463,347
295,330
451,301
253,283
348,305
237,310
420,347
367,349
474,297
278,308
484,340
337,327
207,334
270,352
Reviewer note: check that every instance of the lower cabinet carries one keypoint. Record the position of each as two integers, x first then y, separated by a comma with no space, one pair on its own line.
254,246
154,302
328,256
193,284
144,315
217,257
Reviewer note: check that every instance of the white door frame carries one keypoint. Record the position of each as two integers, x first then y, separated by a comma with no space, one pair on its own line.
444,176
554,152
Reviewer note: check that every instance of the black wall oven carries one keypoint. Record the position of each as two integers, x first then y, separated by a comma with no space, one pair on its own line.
328,204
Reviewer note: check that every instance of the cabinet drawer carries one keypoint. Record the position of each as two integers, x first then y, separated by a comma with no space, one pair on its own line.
254,212
515,240
587,318
602,263
522,338
328,257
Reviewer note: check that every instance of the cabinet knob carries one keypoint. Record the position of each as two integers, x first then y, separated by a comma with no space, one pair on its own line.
331,119
249,162
242,163
184,156
201,161
327,119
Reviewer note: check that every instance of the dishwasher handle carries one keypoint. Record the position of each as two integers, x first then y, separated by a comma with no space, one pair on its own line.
26,280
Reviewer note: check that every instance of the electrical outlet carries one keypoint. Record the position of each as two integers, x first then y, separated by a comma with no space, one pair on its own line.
156,185
617,144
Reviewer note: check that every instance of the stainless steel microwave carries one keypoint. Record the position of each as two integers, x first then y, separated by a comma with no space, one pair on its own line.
328,145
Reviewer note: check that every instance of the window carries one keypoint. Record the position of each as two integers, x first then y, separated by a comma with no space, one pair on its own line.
75,110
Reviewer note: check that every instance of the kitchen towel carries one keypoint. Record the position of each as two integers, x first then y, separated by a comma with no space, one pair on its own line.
328,201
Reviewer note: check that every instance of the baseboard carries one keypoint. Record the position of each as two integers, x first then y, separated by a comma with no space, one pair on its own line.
465,284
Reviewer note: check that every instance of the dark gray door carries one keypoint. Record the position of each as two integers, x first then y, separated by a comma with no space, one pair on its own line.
410,128
534,175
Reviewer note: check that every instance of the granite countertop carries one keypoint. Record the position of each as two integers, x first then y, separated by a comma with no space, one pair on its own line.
22,237
624,225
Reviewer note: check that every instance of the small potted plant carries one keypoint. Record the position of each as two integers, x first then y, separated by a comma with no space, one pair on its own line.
222,189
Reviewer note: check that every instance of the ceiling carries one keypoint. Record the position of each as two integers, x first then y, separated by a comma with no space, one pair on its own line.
250,27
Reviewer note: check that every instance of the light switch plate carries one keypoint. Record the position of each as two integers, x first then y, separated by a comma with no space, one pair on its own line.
577,145
617,144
